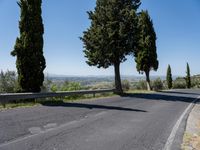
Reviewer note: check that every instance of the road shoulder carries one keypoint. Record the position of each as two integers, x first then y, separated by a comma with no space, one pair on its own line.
191,139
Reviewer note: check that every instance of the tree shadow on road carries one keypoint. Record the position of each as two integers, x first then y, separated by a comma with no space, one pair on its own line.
88,106
162,96
177,92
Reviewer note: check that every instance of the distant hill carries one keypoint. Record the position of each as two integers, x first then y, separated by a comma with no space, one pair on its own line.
87,79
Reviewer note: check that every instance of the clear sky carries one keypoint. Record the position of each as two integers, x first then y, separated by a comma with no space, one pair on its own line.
177,24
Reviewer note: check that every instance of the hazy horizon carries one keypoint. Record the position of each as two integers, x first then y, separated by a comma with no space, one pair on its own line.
175,23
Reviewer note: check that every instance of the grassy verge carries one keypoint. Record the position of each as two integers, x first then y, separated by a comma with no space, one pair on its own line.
66,99
191,139
55,100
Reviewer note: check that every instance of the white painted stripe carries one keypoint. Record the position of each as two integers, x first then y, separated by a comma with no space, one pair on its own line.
171,138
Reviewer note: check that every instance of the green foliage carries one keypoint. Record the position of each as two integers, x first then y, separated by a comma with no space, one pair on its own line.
141,85
188,78
169,77
46,85
101,85
195,82
146,55
157,85
125,85
8,82
29,47
179,84
112,34
54,88
71,86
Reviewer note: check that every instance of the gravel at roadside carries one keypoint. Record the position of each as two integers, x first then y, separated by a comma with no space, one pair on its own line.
191,139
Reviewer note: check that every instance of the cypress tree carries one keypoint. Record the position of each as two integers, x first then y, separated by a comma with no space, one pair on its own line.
112,35
28,49
188,78
146,55
169,77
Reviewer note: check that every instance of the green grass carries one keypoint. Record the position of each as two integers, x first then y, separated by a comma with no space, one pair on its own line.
16,105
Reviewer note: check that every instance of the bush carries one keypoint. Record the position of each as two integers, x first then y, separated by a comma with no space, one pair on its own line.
141,85
71,86
125,85
8,82
47,86
195,82
157,85
179,85
54,88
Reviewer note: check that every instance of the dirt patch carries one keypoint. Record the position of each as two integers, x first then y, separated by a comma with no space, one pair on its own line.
191,140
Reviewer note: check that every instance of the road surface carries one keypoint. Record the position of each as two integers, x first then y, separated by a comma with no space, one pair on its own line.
132,122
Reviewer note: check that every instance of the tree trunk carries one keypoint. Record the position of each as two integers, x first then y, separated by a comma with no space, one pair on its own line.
118,85
148,81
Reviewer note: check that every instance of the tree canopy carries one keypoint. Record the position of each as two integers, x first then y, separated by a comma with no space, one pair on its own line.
29,47
112,34
169,77
146,54
188,78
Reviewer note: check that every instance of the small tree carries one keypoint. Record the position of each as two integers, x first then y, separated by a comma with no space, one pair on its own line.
29,47
169,77
188,78
8,82
112,35
146,55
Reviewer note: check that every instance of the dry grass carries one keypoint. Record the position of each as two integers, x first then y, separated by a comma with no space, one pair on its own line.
192,141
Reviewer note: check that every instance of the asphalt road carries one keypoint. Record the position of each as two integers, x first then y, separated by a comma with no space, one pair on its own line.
133,122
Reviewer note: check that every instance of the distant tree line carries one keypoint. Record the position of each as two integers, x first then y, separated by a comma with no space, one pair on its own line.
117,30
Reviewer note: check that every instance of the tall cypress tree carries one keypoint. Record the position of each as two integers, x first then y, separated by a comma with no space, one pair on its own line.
146,55
169,77
188,78
29,47
112,35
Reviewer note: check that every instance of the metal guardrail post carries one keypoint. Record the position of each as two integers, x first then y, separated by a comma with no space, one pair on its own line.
9,97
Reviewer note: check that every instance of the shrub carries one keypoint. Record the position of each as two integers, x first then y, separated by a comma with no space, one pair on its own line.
195,82
8,82
179,85
54,88
141,85
157,85
125,85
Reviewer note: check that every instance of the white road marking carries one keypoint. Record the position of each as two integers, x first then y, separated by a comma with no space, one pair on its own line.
171,138
50,125
35,130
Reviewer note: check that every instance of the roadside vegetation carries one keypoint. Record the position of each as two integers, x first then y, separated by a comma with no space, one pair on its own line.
8,84
117,30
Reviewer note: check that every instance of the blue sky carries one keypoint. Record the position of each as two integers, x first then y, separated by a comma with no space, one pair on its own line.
177,24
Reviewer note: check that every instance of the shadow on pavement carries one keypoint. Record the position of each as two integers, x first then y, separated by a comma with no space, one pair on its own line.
89,106
176,92
162,96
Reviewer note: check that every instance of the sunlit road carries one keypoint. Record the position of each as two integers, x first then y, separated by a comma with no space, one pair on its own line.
134,122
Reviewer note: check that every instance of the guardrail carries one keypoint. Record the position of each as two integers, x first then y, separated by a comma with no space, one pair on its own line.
10,97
